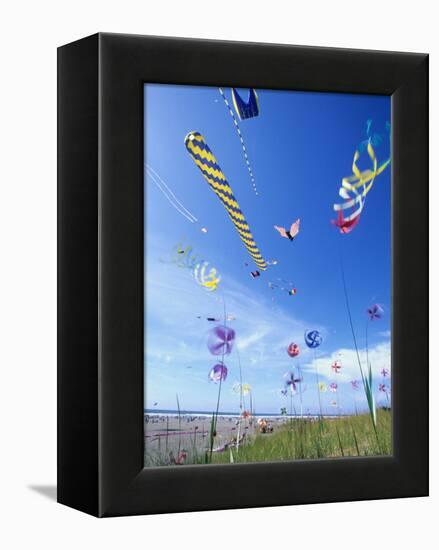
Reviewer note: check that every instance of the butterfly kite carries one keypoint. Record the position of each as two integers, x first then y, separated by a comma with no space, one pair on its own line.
291,233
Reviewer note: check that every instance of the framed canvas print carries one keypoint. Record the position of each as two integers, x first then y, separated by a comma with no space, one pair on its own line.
243,275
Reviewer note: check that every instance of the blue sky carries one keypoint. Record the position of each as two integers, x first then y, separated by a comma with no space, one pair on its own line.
300,146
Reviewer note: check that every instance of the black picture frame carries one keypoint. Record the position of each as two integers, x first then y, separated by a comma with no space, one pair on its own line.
100,267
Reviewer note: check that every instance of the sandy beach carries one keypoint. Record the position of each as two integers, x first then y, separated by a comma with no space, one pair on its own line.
167,435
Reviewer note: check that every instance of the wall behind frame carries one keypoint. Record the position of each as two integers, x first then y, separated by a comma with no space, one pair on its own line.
30,35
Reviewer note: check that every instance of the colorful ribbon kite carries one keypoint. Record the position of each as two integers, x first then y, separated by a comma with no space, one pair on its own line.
185,258
210,280
207,163
349,190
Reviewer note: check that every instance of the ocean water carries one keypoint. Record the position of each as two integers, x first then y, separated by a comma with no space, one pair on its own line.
174,412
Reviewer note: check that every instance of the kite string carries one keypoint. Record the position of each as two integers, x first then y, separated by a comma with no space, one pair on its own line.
241,399
368,391
170,200
241,139
154,173
170,196
349,313
318,388
215,417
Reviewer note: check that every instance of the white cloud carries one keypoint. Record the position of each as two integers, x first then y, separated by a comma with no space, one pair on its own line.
379,358
251,339
174,302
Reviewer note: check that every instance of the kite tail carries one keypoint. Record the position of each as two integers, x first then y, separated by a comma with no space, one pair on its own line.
207,163
168,194
241,139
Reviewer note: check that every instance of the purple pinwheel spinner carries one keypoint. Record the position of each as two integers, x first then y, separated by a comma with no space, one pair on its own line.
375,312
218,373
292,382
220,340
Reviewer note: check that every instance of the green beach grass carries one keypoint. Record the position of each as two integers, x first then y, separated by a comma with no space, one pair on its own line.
301,439
306,439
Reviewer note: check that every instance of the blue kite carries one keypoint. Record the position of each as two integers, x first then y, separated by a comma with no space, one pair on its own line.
246,109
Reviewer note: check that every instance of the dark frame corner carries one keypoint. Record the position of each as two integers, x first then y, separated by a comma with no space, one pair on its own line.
101,273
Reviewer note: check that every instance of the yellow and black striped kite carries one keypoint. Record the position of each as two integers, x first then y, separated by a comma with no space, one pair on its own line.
207,163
